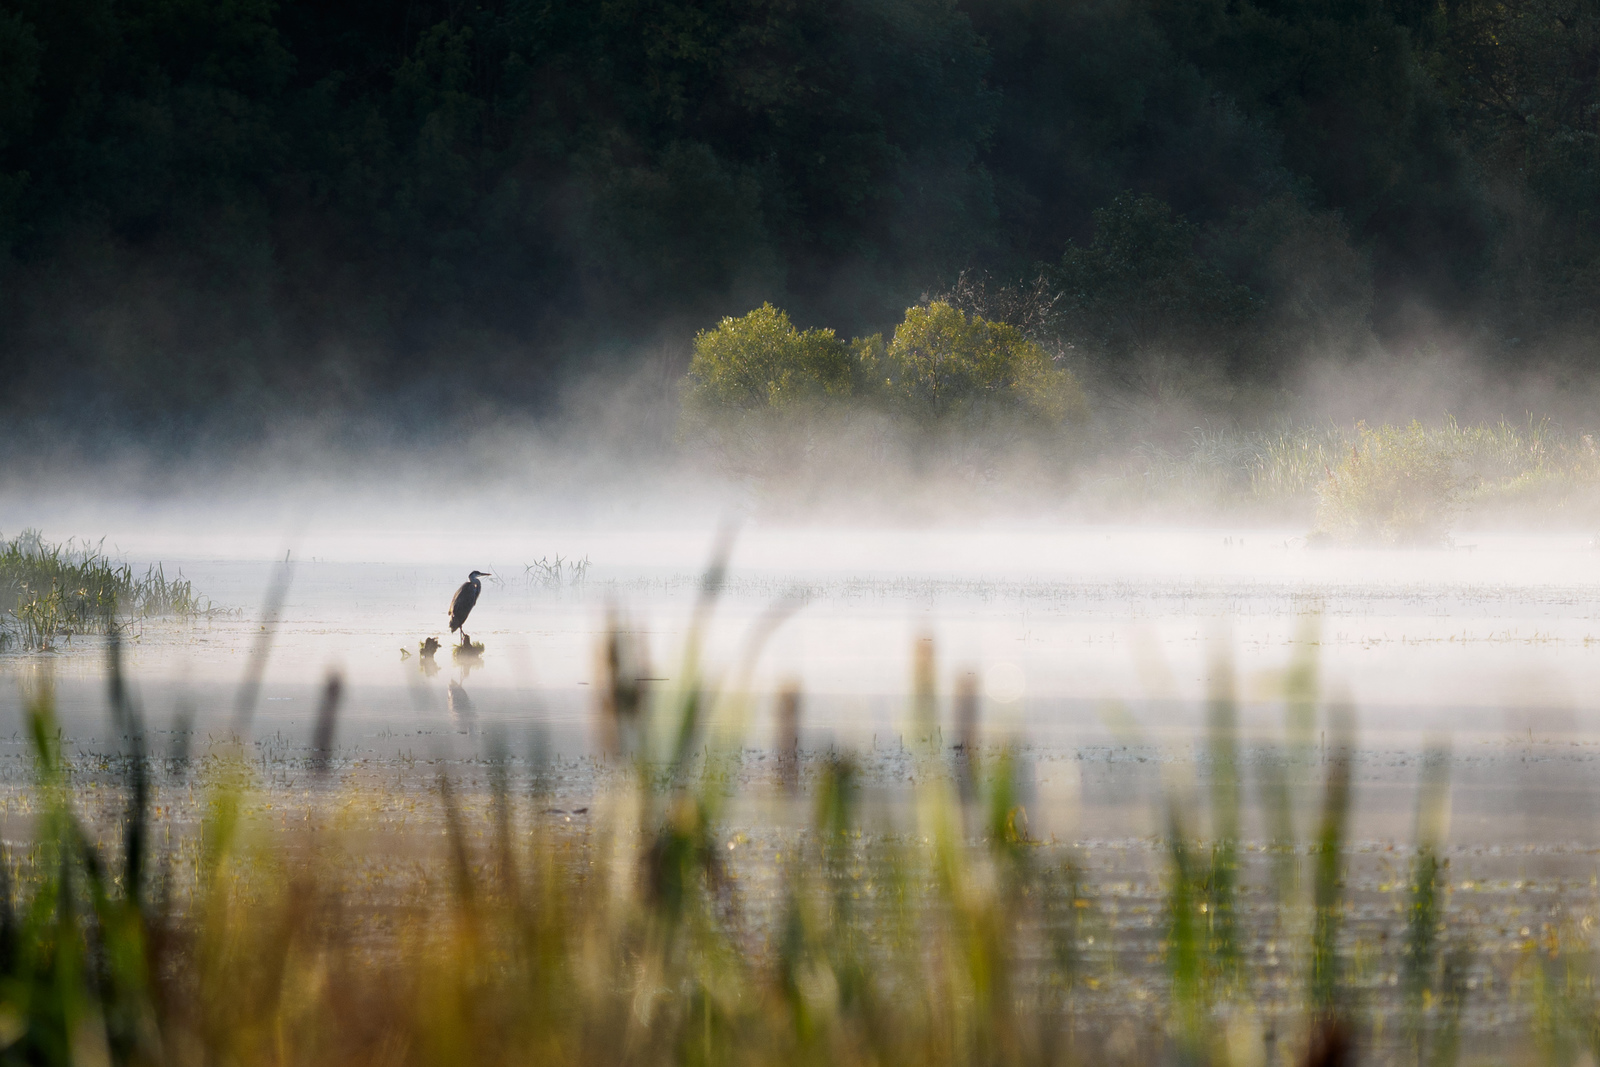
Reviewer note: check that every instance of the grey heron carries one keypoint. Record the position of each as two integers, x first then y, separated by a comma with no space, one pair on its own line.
461,603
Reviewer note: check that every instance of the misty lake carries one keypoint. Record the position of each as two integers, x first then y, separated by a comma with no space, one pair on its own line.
1492,645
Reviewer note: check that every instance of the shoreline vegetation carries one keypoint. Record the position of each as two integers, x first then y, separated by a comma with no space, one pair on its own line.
50,591
953,398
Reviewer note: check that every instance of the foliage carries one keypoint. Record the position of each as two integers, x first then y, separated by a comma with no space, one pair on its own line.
327,190
759,361
1359,120
934,931
220,202
1142,290
1519,83
1500,470
1397,485
782,405
1313,283
945,368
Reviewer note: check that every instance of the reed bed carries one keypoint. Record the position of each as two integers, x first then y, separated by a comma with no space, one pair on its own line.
49,591
1387,483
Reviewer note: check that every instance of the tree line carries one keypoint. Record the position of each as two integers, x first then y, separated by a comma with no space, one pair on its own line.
209,200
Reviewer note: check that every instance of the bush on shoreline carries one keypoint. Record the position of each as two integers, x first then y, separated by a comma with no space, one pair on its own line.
944,367
942,371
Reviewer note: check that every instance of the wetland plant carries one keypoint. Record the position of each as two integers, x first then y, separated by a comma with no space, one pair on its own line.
1436,959
50,590
1396,485
557,573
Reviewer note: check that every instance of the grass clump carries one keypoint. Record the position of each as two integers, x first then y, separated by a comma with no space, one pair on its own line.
557,574
1397,485
1389,484
51,590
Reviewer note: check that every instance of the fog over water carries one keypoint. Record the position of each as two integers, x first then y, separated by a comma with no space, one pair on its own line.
1088,641
1067,611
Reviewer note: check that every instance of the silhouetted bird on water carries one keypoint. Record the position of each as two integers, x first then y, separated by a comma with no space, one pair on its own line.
461,603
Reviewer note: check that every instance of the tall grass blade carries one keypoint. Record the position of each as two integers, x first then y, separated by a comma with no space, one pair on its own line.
1331,1025
244,705
1222,742
1420,976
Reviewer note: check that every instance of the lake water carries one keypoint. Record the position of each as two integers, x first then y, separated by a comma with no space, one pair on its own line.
1081,639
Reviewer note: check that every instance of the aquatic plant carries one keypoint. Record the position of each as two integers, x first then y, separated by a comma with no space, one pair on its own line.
51,590
557,573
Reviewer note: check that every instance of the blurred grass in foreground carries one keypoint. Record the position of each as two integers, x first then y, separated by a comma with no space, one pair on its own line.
942,934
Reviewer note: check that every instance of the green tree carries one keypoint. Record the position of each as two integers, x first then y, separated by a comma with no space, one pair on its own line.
946,369
760,362
1360,126
1141,289
1522,81
19,70
1315,285
1094,99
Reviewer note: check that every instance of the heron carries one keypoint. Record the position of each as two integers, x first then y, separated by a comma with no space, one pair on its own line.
461,603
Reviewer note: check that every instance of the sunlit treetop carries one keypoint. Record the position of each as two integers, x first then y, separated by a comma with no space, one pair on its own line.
943,365
760,361
941,369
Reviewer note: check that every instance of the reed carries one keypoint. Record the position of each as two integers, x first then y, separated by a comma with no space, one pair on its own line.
1355,482
52,590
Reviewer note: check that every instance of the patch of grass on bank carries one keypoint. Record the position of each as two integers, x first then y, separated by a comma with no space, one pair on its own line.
1360,483
1396,485
52,590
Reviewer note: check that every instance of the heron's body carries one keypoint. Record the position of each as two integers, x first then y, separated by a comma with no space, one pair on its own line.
461,604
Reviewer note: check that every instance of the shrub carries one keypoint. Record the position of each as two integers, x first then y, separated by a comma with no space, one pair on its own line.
1396,486
944,368
761,362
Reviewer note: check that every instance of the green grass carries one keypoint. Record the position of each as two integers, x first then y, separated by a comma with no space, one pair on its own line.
1394,484
49,591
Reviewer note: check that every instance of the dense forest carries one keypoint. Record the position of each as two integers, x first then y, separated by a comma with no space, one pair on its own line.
330,203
